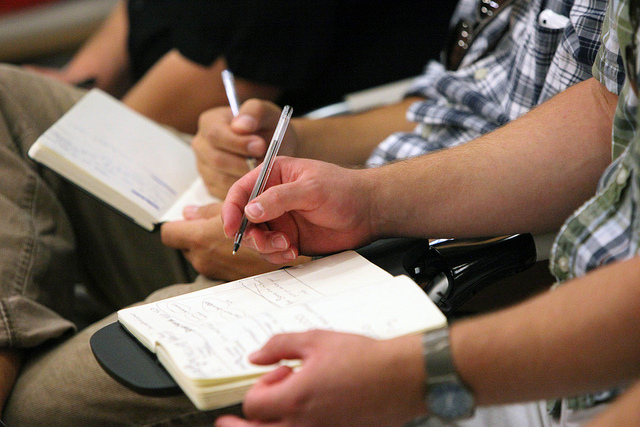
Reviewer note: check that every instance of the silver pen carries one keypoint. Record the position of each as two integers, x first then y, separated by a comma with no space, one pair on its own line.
229,83
269,158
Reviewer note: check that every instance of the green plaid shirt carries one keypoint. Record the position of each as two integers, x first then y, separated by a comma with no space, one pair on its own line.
607,227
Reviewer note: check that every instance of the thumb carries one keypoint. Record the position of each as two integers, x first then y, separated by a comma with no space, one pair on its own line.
278,200
289,346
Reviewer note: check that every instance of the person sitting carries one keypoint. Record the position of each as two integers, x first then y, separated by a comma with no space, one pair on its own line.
165,57
571,165
75,238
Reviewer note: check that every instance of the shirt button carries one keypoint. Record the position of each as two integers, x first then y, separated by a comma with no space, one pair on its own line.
481,73
563,264
623,174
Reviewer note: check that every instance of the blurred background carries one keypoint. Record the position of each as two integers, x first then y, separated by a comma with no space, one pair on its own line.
47,32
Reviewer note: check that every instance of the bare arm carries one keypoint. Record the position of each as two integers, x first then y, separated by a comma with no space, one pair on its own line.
350,139
624,412
223,143
103,57
175,91
528,176
597,314
525,177
520,354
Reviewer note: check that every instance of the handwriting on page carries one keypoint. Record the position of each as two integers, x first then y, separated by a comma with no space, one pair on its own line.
138,158
245,297
381,310
95,154
235,300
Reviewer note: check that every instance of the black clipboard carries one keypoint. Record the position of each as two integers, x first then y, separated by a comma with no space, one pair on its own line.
130,363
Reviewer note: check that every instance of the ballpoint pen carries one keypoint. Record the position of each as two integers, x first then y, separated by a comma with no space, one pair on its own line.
230,88
269,158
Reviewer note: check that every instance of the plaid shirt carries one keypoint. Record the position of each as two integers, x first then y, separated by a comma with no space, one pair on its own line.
528,65
607,228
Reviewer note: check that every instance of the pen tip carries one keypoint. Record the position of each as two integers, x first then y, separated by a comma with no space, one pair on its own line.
233,252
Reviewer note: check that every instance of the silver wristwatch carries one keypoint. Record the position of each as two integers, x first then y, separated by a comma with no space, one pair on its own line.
446,395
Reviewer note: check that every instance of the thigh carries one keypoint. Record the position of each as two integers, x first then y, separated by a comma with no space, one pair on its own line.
64,385
119,262
36,241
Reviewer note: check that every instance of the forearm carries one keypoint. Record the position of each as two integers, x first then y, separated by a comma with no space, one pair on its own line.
105,55
581,337
10,361
525,177
350,139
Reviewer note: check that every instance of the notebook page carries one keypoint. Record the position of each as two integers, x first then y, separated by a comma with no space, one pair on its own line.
210,307
139,159
386,309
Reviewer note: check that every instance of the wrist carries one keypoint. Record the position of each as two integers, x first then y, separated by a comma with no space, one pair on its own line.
382,202
447,396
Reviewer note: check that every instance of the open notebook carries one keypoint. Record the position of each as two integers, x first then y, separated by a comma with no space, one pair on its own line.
138,167
203,338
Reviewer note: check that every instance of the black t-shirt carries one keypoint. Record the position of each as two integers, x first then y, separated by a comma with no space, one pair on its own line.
316,52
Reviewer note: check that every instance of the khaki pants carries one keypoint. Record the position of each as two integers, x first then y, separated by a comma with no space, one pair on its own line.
52,236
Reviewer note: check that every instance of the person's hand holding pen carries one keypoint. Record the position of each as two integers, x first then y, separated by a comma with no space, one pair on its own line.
308,207
224,142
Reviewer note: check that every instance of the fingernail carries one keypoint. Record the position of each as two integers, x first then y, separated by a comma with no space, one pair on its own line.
190,212
245,122
256,148
290,255
279,242
254,210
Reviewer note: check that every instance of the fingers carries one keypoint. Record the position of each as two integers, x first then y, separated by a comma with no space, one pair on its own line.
233,207
202,212
289,346
233,421
278,395
225,141
279,199
182,235
274,247
221,151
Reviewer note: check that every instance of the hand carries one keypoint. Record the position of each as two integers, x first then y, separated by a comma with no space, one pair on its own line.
203,243
345,380
223,142
309,207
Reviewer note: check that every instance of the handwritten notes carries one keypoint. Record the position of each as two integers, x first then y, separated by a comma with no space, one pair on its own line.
122,157
204,338
235,300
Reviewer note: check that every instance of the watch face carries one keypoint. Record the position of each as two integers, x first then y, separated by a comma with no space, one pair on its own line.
450,401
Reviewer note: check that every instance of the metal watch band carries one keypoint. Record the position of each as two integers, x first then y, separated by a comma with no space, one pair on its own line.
439,364
446,395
